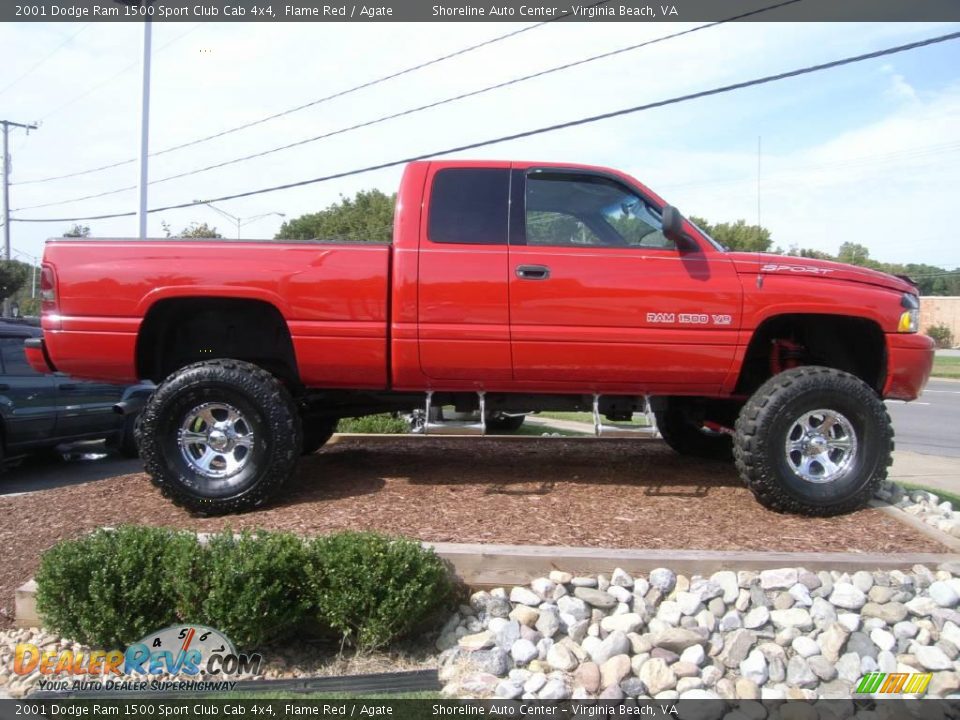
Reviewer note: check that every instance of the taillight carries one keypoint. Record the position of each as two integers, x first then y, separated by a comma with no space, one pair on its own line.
48,289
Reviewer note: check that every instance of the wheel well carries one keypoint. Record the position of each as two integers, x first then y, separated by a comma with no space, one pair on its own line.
852,344
181,331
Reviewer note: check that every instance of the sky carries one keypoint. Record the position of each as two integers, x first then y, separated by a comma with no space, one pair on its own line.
865,153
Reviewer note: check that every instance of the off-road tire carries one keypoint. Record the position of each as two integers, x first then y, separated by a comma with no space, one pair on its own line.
316,433
504,423
687,437
259,395
761,433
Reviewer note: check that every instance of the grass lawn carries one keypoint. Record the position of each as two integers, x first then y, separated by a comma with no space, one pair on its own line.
942,494
946,367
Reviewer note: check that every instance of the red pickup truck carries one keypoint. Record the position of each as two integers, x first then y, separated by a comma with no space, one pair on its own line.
509,287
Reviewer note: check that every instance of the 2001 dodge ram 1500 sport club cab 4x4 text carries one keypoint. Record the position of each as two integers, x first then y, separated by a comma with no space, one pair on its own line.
509,287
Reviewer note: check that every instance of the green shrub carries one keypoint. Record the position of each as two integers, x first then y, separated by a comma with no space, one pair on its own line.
941,334
373,589
383,424
110,588
253,588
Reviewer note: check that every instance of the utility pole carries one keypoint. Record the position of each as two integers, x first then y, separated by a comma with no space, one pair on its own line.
144,128
7,124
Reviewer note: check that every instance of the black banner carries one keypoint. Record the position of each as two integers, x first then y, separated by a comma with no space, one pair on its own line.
334,709
473,10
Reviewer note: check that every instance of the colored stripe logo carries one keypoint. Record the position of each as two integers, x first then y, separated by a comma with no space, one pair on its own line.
893,683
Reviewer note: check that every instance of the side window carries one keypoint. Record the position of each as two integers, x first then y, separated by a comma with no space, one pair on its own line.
469,206
14,358
565,209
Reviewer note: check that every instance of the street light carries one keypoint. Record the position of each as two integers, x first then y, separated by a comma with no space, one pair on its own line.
240,221
34,261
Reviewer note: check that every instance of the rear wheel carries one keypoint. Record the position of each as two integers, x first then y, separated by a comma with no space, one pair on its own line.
220,436
316,433
683,430
814,441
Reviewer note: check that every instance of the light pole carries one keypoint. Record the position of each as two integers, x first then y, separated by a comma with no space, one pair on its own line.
34,260
240,221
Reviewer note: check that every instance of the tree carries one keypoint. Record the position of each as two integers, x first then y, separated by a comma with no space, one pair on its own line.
78,231
737,235
193,230
13,274
367,216
855,254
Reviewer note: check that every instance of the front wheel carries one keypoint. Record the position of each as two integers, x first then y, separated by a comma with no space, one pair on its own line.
814,441
220,436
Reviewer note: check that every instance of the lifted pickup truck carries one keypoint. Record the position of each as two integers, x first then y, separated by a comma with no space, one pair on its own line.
509,287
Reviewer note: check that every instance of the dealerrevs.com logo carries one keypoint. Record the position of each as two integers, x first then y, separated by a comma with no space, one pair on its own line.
178,657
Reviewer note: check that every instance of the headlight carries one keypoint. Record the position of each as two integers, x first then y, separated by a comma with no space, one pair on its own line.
910,317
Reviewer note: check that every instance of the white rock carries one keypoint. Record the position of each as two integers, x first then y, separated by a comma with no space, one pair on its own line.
657,676
523,651
560,658
669,612
754,667
627,623
851,621
525,596
794,617
727,580
943,594
801,595
931,658
555,689
756,618
883,640
561,578
779,579
921,606
573,607
847,596
663,579
477,641
906,629
543,587
689,603
805,646
622,578
694,654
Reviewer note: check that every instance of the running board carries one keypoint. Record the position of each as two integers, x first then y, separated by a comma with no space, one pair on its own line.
601,428
453,427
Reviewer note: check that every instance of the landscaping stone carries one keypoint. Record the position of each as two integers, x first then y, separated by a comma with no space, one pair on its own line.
596,598
657,676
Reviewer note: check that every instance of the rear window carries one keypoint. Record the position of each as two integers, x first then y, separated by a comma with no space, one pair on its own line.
469,206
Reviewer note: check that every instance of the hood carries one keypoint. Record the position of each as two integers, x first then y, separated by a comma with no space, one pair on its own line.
751,263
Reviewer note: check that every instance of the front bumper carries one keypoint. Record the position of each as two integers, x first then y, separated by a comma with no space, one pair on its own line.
909,362
37,356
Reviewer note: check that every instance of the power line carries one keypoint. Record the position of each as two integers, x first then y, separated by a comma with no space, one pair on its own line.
546,129
411,111
44,59
318,101
106,82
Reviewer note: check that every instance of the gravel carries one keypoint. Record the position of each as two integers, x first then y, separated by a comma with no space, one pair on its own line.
647,648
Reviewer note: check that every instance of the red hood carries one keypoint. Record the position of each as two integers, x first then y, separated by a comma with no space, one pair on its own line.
751,263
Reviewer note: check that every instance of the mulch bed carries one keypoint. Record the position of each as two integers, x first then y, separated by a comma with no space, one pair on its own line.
612,494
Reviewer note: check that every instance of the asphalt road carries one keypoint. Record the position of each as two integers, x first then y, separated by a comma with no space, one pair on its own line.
78,464
930,425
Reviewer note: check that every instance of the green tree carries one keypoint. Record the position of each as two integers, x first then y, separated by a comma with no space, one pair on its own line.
737,235
13,274
366,216
855,254
78,231
193,230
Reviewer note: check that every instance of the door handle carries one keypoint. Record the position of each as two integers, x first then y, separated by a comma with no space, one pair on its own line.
533,272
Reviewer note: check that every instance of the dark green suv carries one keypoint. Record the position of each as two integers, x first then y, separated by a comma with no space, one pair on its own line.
42,411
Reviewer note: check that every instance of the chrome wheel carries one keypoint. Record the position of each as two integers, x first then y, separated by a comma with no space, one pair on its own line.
216,441
821,446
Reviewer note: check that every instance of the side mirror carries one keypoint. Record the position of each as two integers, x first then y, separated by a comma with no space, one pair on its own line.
673,226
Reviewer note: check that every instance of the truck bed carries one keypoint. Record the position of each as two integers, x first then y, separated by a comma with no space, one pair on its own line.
333,296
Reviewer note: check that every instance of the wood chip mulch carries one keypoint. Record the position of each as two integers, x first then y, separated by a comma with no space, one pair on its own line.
611,493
